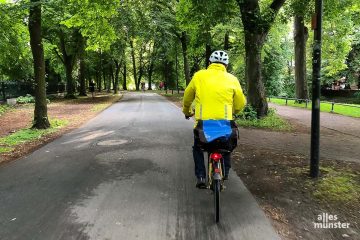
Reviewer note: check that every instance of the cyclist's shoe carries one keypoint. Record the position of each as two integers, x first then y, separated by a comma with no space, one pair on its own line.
201,183
226,177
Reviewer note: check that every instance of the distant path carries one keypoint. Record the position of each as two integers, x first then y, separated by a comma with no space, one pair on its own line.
332,121
126,174
340,135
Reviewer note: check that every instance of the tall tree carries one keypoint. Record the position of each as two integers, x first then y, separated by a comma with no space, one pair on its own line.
300,40
184,44
41,120
256,25
82,67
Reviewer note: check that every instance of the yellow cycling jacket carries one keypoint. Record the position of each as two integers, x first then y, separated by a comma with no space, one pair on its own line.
217,94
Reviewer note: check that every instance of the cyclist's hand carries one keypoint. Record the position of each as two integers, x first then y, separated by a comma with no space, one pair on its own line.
187,117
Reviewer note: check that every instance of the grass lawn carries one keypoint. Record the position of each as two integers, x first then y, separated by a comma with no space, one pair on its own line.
4,108
346,110
16,137
27,134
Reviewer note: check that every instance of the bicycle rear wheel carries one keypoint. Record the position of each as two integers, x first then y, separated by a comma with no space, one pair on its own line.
216,186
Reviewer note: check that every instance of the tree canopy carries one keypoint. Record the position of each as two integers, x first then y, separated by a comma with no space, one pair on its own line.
121,43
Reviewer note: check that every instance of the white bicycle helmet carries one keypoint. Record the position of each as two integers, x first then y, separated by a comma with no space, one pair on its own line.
219,57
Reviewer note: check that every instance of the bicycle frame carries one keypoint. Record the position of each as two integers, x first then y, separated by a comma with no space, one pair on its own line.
215,179
215,167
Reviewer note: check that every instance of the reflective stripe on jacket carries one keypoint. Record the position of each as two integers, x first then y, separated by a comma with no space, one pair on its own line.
217,94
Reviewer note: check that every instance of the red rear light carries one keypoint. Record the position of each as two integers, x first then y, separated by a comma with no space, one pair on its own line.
216,156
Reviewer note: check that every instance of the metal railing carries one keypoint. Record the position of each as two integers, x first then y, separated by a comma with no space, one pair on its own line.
308,101
172,91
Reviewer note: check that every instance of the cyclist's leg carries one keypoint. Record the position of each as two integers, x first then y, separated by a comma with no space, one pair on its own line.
200,171
227,163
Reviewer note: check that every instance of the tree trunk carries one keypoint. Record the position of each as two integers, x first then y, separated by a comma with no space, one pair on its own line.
99,81
3,90
150,73
166,74
113,77
82,78
82,69
110,78
134,64
104,79
207,55
117,71
70,87
41,120
124,77
256,91
256,23
185,56
300,39
68,61
226,41
141,69
195,67
226,48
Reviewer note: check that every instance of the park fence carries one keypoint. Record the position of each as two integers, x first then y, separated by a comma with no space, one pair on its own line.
14,89
308,101
172,91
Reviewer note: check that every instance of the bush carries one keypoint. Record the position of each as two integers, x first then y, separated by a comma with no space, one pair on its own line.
357,95
26,99
4,108
249,113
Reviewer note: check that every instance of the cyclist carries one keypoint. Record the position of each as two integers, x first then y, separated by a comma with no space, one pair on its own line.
217,95
143,86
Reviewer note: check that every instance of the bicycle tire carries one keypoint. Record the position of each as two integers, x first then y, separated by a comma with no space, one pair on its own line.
216,186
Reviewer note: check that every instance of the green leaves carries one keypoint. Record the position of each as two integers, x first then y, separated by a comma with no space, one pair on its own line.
94,19
15,58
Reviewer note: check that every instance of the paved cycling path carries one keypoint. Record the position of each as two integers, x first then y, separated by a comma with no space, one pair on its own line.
87,186
328,121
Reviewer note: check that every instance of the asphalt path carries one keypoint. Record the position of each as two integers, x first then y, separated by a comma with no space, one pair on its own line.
126,174
328,121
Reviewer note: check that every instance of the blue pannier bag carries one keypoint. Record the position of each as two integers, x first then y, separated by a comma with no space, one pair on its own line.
216,134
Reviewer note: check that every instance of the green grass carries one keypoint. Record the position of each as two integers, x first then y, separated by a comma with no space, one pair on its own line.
334,185
25,135
337,185
4,108
5,149
324,107
272,122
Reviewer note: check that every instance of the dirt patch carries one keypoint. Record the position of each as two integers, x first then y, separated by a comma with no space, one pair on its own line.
75,111
288,196
15,119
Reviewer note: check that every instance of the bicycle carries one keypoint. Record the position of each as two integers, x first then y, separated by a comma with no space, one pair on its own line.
215,178
215,175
